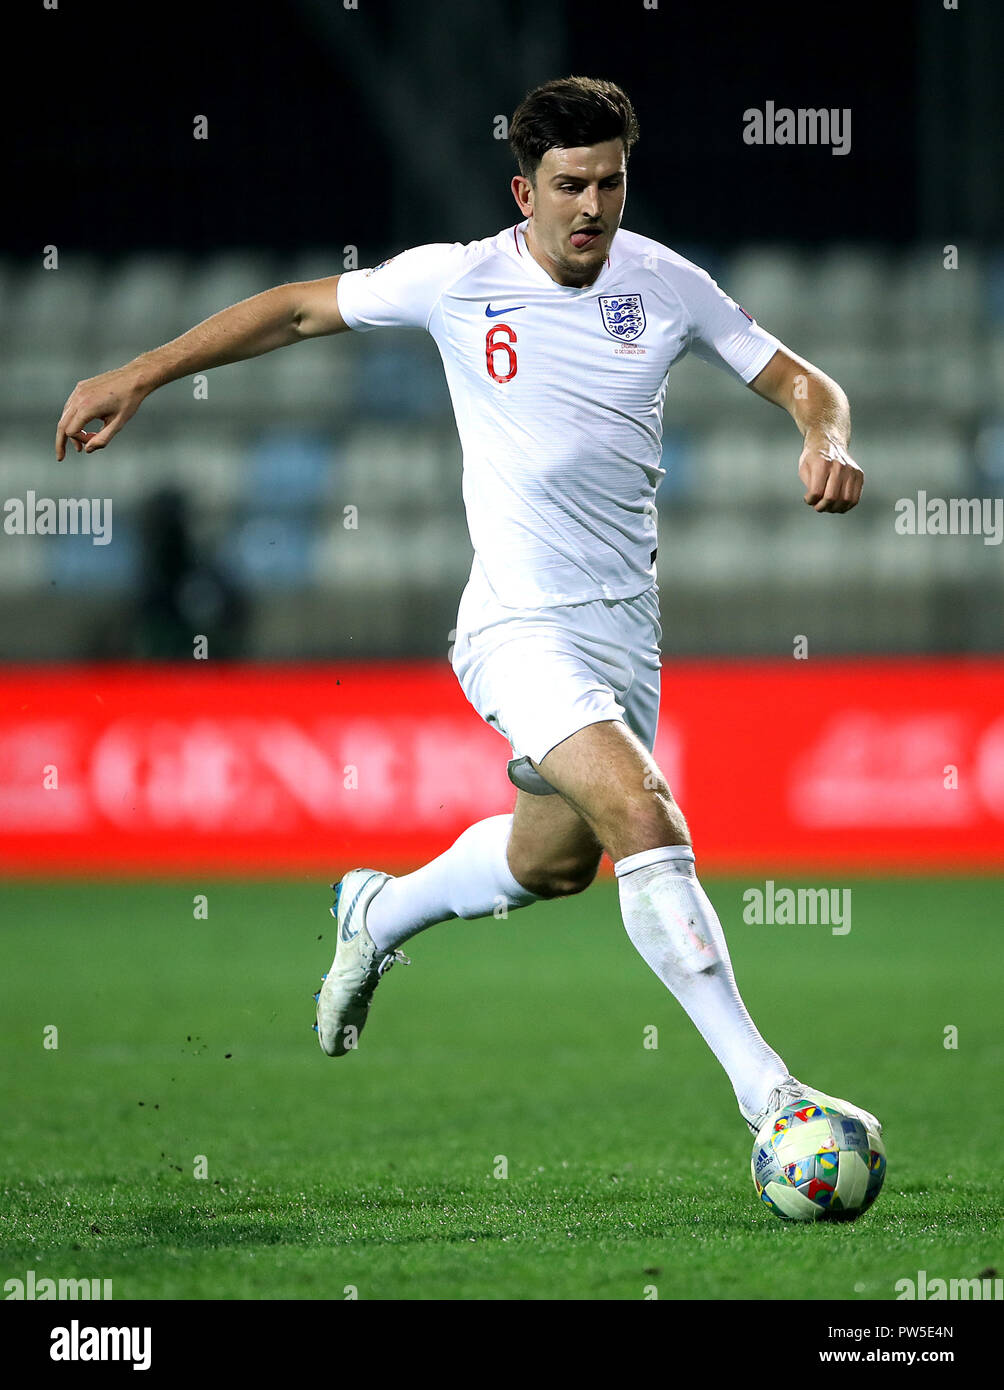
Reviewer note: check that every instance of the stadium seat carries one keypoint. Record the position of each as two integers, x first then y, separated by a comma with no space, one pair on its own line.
898,463
929,300
36,384
402,378
23,564
206,465
282,445
847,292
990,455
370,555
54,310
224,279
746,465
142,306
388,468
679,459
315,380
76,563
289,470
773,284
268,552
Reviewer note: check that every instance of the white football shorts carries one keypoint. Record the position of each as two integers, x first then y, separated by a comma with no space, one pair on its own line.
538,675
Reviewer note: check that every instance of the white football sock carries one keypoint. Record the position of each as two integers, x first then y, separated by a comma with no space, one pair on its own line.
674,927
470,879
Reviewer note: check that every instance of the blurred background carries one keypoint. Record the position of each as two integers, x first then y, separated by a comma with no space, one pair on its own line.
340,136
336,136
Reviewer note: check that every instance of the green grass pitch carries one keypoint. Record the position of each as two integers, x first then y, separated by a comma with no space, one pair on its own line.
507,1047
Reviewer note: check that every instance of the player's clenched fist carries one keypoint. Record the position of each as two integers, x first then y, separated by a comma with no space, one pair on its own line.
113,398
833,481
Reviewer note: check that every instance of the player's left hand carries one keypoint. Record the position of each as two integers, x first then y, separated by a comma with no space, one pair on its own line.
833,481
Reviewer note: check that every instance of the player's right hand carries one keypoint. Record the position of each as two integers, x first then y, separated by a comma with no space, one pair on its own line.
113,398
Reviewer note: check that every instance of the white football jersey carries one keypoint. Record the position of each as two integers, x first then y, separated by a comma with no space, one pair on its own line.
558,394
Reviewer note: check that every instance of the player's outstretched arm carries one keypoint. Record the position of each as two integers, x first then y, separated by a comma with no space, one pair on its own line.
820,409
276,318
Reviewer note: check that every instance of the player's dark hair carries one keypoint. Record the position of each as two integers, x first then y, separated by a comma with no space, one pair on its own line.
566,113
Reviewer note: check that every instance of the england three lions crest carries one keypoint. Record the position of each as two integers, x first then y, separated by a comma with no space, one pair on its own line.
623,316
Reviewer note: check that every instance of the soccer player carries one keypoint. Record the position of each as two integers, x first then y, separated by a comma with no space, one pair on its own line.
557,336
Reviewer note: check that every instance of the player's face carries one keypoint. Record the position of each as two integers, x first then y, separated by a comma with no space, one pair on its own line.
574,208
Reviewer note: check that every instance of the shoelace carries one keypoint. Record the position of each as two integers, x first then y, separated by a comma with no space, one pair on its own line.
390,959
784,1094
369,984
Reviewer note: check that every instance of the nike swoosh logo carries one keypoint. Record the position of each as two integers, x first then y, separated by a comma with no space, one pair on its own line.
491,313
345,934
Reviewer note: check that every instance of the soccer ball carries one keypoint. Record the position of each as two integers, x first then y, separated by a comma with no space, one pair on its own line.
814,1163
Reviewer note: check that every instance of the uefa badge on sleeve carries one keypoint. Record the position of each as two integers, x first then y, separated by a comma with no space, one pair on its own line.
623,316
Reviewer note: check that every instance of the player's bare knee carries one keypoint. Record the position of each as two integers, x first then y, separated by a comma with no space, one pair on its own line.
577,881
560,881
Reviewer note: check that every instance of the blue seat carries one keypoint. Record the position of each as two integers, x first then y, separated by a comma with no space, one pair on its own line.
269,553
77,564
403,380
678,461
290,470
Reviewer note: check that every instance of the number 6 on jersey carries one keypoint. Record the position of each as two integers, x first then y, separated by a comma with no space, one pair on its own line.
492,346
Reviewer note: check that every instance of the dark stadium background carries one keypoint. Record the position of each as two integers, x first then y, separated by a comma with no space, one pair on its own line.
309,142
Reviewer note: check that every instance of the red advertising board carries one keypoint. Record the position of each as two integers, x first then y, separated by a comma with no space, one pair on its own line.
314,769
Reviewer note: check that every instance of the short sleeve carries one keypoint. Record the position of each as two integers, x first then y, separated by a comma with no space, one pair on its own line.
400,292
722,332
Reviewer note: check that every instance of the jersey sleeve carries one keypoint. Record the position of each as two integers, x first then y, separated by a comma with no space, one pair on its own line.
721,332
400,292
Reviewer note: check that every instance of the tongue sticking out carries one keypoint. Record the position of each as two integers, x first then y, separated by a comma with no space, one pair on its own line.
580,239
